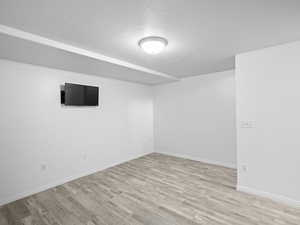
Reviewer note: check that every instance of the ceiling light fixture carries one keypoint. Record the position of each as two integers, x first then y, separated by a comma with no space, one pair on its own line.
153,45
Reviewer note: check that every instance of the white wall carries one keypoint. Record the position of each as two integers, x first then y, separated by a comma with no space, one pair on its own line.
35,129
268,96
195,118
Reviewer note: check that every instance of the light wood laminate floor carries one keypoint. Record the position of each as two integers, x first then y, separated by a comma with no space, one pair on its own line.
152,190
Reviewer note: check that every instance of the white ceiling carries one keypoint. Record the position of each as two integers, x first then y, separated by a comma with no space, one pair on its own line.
204,35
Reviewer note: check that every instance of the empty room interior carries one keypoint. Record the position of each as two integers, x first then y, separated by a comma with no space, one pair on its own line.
150,112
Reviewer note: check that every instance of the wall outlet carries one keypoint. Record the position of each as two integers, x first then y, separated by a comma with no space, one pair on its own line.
244,168
43,167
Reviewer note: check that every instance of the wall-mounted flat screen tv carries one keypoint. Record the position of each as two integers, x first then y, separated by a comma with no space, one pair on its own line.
80,95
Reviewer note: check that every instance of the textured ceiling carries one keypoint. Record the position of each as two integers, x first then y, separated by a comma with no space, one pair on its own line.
204,35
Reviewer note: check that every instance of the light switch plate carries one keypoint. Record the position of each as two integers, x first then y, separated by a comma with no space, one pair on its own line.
247,124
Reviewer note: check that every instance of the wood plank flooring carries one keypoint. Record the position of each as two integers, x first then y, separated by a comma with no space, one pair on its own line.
152,190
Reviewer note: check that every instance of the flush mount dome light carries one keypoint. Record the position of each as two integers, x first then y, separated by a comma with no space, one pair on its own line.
153,45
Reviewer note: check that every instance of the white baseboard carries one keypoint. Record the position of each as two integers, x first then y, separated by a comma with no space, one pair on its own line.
60,182
274,197
224,164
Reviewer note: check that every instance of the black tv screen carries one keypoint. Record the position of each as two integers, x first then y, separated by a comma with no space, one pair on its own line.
81,95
